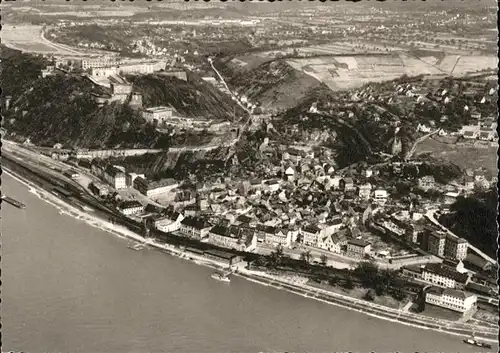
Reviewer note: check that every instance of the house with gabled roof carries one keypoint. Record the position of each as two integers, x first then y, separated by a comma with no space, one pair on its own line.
169,222
194,227
233,237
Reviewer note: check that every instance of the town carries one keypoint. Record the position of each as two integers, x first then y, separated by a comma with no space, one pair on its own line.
345,189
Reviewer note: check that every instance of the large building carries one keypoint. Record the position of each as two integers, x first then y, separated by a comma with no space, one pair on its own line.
115,177
195,227
157,114
142,67
310,235
455,248
444,276
103,71
131,207
155,188
103,61
426,182
451,299
358,248
120,86
436,243
233,237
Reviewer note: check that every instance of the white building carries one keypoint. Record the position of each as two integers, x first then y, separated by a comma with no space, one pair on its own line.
131,207
364,191
272,185
451,299
155,188
115,177
169,222
157,114
194,227
281,237
444,276
455,248
310,235
99,62
380,196
358,248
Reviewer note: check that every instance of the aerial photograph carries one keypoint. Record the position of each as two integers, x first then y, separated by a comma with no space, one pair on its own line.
249,177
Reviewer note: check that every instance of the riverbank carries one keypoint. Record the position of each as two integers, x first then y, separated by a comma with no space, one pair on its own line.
256,276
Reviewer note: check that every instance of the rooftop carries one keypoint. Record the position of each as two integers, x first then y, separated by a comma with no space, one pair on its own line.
456,293
445,271
358,242
130,204
158,109
194,222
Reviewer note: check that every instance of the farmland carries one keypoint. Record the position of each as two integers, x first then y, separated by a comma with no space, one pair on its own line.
461,155
28,38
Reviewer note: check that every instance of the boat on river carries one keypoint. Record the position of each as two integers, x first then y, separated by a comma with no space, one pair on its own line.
13,202
136,247
221,277
474,342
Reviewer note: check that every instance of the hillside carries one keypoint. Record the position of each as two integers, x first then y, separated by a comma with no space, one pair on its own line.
352,139
19,70
274,84
60,109
474,218
195,98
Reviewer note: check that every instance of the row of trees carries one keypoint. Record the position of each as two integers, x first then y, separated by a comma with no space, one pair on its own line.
367,274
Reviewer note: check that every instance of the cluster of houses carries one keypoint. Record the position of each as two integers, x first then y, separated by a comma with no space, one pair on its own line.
471,180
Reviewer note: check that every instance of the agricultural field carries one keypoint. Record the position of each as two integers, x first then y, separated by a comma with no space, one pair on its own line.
462,156
349,72
27,38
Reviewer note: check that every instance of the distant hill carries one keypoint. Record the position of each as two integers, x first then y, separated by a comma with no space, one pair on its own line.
274,84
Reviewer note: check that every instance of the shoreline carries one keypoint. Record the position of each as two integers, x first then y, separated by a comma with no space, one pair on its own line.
262,278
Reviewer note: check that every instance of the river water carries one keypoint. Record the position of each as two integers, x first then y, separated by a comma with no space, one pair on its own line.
69,287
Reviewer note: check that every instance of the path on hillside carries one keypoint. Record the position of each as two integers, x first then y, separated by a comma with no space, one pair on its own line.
419,140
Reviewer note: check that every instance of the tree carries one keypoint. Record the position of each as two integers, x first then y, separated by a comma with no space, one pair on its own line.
369,295
348,283
276,256
324,259
306,256
333,281
367,272
399,294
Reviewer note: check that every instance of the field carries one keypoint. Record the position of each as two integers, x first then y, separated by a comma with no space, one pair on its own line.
349,72
28,38
463,156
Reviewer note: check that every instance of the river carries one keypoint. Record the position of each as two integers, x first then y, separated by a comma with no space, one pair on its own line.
69,287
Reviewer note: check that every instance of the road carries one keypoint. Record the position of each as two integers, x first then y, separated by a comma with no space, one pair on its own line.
245,125
430,216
